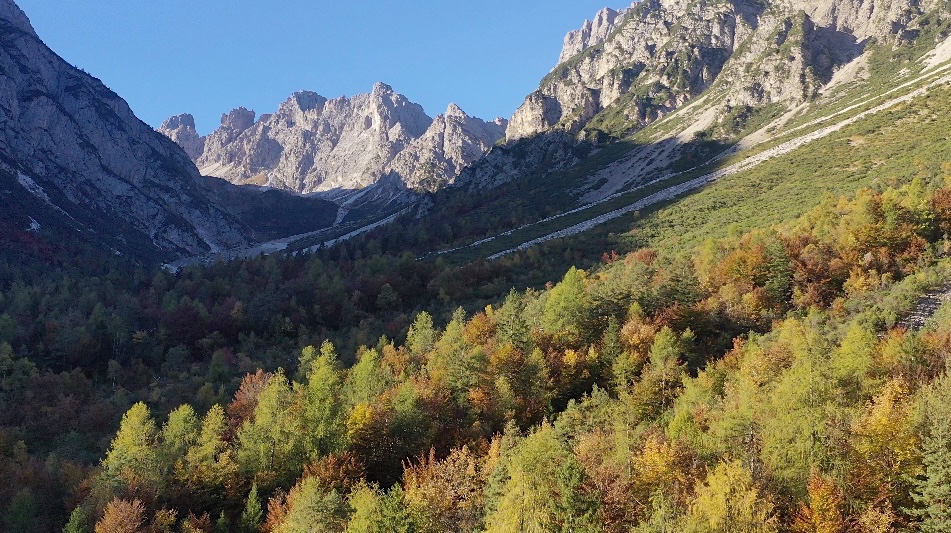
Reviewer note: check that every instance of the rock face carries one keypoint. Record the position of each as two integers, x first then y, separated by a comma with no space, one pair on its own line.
592,33
181,129
78,150
626,69
452,141
314,144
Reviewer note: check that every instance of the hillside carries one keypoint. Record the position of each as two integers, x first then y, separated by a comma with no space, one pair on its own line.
576,173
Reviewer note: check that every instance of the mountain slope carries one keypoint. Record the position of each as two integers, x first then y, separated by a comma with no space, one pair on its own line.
77,165
786,74
732,64
84,153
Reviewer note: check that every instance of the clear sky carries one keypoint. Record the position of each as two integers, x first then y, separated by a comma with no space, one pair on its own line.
206,57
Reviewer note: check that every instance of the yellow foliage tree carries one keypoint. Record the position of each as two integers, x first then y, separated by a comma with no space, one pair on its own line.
728,502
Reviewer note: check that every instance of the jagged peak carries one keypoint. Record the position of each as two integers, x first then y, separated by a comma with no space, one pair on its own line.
382,89
12,13
184,120
307,100
238,119
592,32
455,111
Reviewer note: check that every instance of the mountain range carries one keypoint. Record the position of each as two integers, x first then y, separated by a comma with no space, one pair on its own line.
638,95
341,146
77,165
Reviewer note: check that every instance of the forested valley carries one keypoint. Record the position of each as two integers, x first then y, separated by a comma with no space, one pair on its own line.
763,381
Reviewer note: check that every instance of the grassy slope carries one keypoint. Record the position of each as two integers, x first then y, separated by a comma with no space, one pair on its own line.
876,148
898,145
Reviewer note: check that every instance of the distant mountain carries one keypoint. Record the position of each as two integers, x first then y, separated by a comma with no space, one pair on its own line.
343,145
74,158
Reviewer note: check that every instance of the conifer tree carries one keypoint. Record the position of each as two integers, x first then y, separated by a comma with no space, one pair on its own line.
253,514
567,308
322,411
78,522
133,459
933,490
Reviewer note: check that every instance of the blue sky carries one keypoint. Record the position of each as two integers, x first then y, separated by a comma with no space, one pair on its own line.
206,57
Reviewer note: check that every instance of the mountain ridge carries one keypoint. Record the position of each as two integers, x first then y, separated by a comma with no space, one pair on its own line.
78,165
314,144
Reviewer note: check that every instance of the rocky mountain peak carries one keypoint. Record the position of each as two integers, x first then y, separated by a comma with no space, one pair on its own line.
625,69
455,111
11,13
382,89
238,120
306,101
183,121
83,158
312,144
592,33
181,129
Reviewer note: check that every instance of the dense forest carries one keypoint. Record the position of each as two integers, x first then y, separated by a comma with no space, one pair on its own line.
762,381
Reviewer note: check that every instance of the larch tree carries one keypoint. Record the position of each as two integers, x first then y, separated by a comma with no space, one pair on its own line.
133,458
322,412
729,502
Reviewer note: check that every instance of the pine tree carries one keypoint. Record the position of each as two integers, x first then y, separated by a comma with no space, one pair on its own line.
933,492
78,522
253,514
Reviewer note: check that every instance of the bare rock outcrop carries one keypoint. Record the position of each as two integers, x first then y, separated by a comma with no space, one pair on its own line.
181,129
312,144
453,141
626,69
77,148
592,33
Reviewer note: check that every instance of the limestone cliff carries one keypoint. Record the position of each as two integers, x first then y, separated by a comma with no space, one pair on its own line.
82,156
312,144
627,69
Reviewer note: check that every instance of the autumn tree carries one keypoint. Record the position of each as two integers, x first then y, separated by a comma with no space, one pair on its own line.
133,458
122,516
729,502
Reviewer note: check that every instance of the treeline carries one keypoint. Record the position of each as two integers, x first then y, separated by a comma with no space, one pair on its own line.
759,384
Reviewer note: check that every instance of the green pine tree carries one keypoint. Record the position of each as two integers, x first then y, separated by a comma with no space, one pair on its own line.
253,514
933,491
78,522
